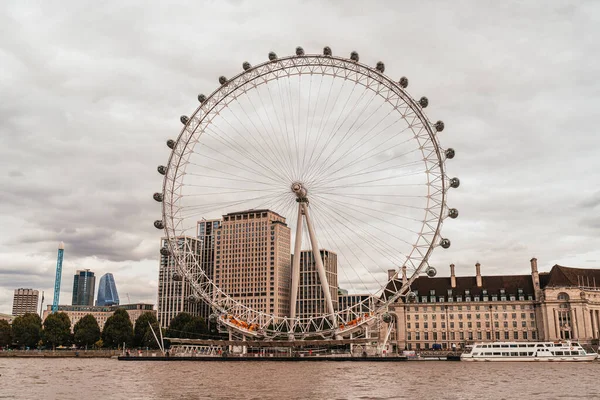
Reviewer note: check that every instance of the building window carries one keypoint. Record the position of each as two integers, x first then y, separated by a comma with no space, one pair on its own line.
515,335
506,335
525,335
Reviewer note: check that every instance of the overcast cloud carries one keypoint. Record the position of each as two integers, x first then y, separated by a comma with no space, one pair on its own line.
89,93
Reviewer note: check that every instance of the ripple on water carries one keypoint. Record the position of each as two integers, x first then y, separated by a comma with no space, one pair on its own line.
70,378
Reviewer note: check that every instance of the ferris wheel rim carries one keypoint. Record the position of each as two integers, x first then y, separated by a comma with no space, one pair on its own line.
367,72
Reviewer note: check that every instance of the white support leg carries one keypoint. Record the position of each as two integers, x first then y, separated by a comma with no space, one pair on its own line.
296,264
319,262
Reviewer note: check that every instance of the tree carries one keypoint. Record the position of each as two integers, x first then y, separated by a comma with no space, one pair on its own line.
57,330
6,335
185,325
143,336
27,330
86,331
118,329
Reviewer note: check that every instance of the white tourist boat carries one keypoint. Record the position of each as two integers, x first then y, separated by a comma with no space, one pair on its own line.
528,351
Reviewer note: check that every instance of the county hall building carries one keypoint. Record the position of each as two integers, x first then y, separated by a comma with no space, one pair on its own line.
445,311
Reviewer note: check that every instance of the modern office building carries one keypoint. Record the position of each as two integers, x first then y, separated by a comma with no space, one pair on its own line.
175,293
561,304
101,313
253,262
25,301
84,287
206,232
107,291
311,299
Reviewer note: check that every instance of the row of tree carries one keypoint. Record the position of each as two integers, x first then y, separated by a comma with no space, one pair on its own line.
29,331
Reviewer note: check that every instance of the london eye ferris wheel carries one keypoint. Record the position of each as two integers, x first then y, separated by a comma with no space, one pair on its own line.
323,176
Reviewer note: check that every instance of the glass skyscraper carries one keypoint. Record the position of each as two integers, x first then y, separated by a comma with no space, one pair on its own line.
107,291
84,284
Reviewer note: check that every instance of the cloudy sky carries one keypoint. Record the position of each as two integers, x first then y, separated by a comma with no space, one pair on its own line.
89,93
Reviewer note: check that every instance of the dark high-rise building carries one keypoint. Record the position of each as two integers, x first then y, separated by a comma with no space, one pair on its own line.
84,283
107,291
311,299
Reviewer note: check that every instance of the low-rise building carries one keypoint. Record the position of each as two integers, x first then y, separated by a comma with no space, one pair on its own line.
7,317
101,313
561,304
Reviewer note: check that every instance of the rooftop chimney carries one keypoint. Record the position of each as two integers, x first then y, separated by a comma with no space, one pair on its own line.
478,274
533,262
391,274
452,277
404,280
535,277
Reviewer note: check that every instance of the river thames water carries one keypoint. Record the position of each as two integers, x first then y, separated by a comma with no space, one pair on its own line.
114,380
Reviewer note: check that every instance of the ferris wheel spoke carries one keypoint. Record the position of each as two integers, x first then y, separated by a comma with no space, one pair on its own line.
243,167
240,151
344,263
348,135
249,148
363,172
351,248
275,136
361,211
322,126
265,142
369,200
271,161
367,154
317,162
372,240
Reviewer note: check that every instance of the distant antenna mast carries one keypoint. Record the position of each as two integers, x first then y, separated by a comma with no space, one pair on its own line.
59,260
128,299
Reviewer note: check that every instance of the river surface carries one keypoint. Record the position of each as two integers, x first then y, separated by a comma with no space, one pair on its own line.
107,379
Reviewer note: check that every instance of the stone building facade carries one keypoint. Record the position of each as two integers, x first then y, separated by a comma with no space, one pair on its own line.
445,311
101,313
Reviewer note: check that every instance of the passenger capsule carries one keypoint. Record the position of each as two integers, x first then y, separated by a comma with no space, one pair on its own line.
445,243
177,277
454,182
403,82
222,80
439,126
162,169
411,296
386,317
246,65
158,224
165,251
424,102
201,98
380,66
450,153
184,119
453,213
354,56
299,51
272,56
431,272
170,143
158,197
327,51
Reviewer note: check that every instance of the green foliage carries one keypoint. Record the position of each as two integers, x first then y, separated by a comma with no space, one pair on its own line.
143,336
86,331
185,325
57,330
99,344
118,329
6,336
27,330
